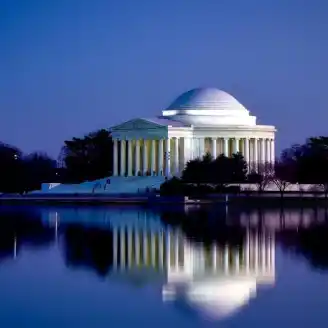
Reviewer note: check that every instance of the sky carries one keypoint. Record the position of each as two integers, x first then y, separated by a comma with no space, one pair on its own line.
69,67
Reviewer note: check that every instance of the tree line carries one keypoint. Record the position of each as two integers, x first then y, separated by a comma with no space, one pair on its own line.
91,157
299,164
81,159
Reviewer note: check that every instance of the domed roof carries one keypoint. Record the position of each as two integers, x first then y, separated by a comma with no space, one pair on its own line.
216,299
220,300
206,99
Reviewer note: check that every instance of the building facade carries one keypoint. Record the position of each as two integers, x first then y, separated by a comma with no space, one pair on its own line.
200,121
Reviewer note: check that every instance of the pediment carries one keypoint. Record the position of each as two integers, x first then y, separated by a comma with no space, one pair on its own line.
137,124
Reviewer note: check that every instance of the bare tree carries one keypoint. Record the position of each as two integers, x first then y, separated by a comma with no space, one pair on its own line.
315,190
283,176
281,185
324,188
261,178
301,189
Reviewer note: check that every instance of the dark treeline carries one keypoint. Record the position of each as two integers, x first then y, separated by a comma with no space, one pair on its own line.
90,157
81,159
21,173
300,164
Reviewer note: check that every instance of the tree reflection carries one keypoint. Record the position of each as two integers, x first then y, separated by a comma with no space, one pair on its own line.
309,242
19,227
303,232
205,224
88,247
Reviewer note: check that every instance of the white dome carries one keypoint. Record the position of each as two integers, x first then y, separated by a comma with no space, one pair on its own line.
220,300
215,300
208,107
206,98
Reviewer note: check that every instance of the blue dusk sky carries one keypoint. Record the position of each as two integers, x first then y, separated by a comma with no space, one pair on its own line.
68,67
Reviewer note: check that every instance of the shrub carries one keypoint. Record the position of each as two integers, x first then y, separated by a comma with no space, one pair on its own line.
172,187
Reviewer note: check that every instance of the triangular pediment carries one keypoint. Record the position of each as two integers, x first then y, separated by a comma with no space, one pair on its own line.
137,124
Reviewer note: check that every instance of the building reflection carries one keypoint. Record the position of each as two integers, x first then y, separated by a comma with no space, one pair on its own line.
214,279
215,276
219,279
283,219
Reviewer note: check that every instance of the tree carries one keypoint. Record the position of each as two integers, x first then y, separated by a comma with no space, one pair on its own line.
172,187
220,171
193,171
262,177
38,168
10,168
310,160
90,157
238,168
284,175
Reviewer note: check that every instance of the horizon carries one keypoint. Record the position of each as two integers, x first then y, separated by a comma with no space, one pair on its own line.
73,68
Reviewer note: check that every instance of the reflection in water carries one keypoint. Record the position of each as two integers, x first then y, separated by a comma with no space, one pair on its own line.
213,279
19,228
212,264
218,280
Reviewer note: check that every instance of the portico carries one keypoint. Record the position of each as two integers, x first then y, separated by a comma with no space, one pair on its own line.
200,121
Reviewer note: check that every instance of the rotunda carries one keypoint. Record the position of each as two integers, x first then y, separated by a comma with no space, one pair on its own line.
199,121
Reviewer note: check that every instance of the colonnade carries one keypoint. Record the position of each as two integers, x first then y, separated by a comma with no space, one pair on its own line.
171,251
168,156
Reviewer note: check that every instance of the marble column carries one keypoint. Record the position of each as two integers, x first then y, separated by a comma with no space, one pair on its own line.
255,156
130,159
168,157
144,158
123,158
214,148
160,157
272,152
153,157
115,158
192,149
267,151
242,146
247,157
176,155
236,150
201,147
262,151
226,147
219,148
137,157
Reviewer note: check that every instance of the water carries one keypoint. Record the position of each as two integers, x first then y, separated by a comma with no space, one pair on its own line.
132,267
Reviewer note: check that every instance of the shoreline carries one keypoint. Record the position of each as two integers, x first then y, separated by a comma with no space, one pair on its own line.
132,199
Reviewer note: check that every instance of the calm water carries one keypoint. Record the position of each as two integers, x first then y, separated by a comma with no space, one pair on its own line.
192,267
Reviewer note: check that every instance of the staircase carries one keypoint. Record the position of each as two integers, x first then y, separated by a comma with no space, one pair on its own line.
117,185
